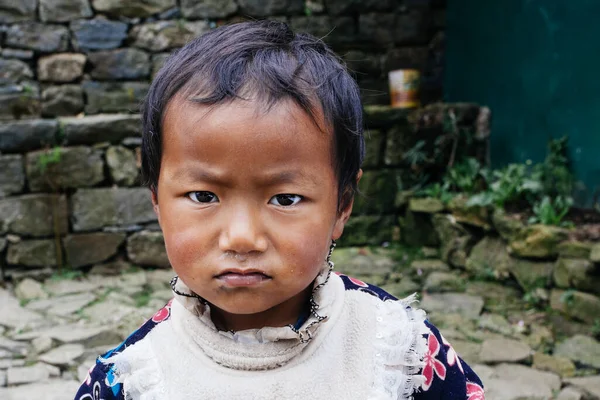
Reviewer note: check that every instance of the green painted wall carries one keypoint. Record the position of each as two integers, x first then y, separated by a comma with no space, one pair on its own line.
536,64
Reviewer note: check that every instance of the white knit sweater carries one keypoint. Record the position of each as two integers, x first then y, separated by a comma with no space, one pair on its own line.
364,349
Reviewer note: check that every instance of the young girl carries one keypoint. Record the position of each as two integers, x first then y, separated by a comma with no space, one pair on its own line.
252,145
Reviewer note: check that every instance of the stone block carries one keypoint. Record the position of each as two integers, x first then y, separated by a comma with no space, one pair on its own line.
203,9
20,101
489,257
97,34
532,274
108,97
91,248
411,27
122,165
559,365
373,148
580,349
363,63
574,249
590,385
34,215
379,116
428,266
165,35
428,205
414,57
578,305
20,136
399,140
504,350
595,254
456,241
335,31
538,241
418,231
32,253
362,261
40,37
132,8
577,273
514,382
448,303
367,230
14,71
15,11
100,128
475,216
377,28
378,192
64,167
444,282
98,208
147,248
64,10
17,53
65,67
266,8
336,7
126,63
12,178
158,60
62,100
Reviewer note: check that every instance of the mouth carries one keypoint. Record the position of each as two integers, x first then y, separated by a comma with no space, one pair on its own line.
242,277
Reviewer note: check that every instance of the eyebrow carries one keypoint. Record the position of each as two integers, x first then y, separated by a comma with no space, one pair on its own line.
279,177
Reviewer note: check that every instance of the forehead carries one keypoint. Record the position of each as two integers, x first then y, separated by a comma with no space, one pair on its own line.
245,134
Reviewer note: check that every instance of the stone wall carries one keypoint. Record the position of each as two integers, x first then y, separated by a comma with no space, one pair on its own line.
72,76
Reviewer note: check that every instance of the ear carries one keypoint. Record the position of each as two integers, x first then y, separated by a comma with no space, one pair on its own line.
344,214
154,195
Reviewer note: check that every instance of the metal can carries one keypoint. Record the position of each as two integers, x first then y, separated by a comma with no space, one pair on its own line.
404,88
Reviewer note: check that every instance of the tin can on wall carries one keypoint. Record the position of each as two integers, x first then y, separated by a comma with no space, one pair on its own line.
404,88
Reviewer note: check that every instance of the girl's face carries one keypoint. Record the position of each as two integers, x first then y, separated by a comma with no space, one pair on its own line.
247,202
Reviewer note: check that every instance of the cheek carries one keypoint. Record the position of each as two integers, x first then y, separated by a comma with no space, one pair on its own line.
184,247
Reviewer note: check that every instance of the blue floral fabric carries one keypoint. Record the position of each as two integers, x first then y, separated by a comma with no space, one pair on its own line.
447,376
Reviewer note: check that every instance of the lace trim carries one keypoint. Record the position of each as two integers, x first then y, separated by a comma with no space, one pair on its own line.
400,348
138,370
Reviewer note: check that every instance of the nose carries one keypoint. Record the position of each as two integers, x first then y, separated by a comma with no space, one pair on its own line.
243,232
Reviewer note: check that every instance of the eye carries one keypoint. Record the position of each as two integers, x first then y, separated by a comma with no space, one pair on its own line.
285,200
203,197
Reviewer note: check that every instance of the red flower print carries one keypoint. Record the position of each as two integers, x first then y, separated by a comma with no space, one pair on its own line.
452,357
433,366
358,282
474,391
163,313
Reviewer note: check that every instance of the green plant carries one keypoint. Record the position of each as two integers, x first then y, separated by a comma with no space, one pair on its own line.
465,176
50,157
551,211
596,328
436,191
66,275
568,297
416,154
554,173
142,298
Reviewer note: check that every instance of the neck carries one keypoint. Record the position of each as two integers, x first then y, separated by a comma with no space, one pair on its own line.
286,313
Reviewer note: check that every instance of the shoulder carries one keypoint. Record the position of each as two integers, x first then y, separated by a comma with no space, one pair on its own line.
101,381
443,374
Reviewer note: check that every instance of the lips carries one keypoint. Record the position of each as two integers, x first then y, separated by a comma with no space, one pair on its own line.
242,278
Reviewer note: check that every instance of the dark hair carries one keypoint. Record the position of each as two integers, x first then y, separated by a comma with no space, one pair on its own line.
264,60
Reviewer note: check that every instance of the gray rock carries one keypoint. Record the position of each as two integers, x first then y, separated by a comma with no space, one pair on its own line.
495,323
362,261
147,248
98,208
570,393
15,11
91,248
108,312
106,97
64,167
22,136
193,9
100,128
65,67
75,333
133,8
64,10
456,241
516,382
577,273
406,58
489,258
17,53
595,254
39,37
427,205
464,304
336,7
589,385
334,30
425,267
158,61
42,344
32,253
538,241
265,8
2,380
21,375
467,350
53,390
122,165
12,179
498,350
64,355
29,289
580,349
13,348
577,305
444,282
64,287
12,315
126,63
14,71
559,365
97,34
20,101
532,275
159,279
62,100
34,215
165,35
404,288
63,306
